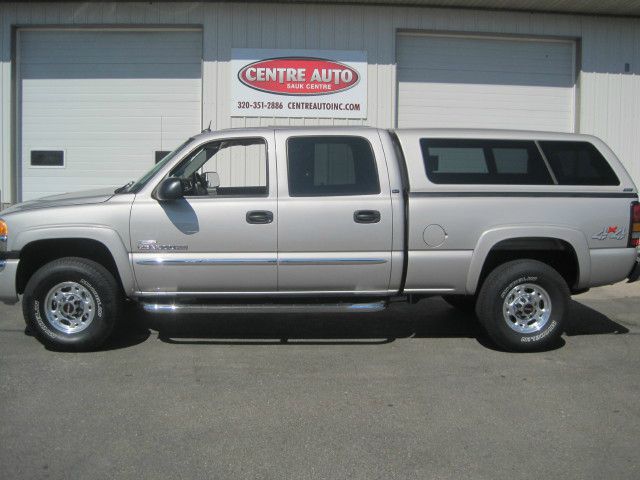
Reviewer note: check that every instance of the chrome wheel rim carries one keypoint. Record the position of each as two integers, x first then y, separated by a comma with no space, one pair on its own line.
69,307
527,308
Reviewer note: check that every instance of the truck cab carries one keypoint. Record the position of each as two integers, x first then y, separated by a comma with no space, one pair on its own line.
289,212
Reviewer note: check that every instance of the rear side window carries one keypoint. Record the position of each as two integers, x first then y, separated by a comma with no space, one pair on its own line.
578,163
326,166
484,162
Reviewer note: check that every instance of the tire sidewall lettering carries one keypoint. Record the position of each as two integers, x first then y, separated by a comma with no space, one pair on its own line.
539,336
99,310
45,328
528,279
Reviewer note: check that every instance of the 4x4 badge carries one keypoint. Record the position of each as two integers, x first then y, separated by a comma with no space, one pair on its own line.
611,232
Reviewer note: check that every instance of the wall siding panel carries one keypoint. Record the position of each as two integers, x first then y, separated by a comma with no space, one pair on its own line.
608,98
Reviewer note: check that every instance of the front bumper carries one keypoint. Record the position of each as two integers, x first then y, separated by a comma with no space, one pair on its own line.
8,271
635,271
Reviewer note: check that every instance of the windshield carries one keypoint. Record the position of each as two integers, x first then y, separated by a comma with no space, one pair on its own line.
142,181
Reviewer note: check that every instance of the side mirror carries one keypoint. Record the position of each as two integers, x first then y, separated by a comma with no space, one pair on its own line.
169,189
213,179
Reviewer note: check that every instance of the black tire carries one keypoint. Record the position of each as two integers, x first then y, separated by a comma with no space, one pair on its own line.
93,281
500,283
464,303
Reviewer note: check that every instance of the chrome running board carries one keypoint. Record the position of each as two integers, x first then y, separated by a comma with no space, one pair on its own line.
180,308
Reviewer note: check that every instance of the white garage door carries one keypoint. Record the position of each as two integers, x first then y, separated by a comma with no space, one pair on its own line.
476,82
96,106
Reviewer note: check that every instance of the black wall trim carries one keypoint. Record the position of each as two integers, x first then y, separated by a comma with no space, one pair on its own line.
528,194
9,255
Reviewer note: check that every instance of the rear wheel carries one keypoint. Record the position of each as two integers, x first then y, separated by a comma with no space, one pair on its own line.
72,304
522,305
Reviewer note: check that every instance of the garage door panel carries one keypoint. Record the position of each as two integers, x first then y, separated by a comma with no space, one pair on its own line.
504,65
98,87
474,82
111,71
109,99
111,126
111,109
530,56
489,100
104,47
475,77
525,59
106,86
446,118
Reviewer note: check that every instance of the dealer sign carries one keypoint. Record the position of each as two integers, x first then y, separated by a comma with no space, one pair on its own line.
299,83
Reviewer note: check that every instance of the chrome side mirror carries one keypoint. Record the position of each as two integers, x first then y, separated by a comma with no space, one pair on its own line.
213,179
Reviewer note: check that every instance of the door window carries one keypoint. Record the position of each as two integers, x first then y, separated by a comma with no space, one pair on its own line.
328,166
235,167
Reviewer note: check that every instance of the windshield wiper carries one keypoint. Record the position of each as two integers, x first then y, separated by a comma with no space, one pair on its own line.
124,187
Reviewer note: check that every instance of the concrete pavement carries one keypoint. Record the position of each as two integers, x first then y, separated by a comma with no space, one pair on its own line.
414,392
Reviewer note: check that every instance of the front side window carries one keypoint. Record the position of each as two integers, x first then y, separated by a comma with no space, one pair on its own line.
234,167
502,162
331,165
578,163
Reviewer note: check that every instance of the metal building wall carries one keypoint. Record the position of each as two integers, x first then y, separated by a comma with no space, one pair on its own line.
608,96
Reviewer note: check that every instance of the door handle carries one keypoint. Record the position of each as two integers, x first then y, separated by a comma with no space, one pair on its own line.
259,217
366,216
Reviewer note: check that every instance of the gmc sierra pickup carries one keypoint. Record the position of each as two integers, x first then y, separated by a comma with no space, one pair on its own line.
318,219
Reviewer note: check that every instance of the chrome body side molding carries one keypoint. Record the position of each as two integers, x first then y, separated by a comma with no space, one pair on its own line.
331,261
208,261
205,261
150,295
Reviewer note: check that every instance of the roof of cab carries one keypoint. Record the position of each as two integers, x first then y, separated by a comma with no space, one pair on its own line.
428,132
491,133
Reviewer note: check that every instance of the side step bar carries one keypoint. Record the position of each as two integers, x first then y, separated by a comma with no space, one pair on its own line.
179,308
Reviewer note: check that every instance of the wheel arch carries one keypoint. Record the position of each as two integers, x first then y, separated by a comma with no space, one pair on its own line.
565,249
102,245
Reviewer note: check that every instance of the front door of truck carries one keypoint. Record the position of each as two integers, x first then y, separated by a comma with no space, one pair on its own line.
334,213
222,236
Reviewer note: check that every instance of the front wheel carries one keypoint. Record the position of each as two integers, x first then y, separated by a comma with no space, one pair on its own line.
72,304
522,305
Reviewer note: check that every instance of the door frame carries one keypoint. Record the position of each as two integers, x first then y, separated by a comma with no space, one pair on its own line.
215,258
390,188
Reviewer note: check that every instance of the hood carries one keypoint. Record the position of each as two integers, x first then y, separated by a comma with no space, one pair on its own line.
74,198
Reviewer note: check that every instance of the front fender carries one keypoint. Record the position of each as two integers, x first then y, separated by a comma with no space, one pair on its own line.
105,235
492,237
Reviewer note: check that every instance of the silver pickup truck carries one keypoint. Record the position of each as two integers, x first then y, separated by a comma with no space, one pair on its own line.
504,223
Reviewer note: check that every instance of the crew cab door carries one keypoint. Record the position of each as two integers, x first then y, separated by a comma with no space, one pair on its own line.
334,213
221,237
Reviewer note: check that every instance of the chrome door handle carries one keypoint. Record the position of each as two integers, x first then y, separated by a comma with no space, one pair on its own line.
366,216
259,217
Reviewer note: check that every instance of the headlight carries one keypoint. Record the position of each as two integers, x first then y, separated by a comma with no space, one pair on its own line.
4,233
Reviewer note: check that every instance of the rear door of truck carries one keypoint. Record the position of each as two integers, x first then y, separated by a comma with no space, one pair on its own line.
335,223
